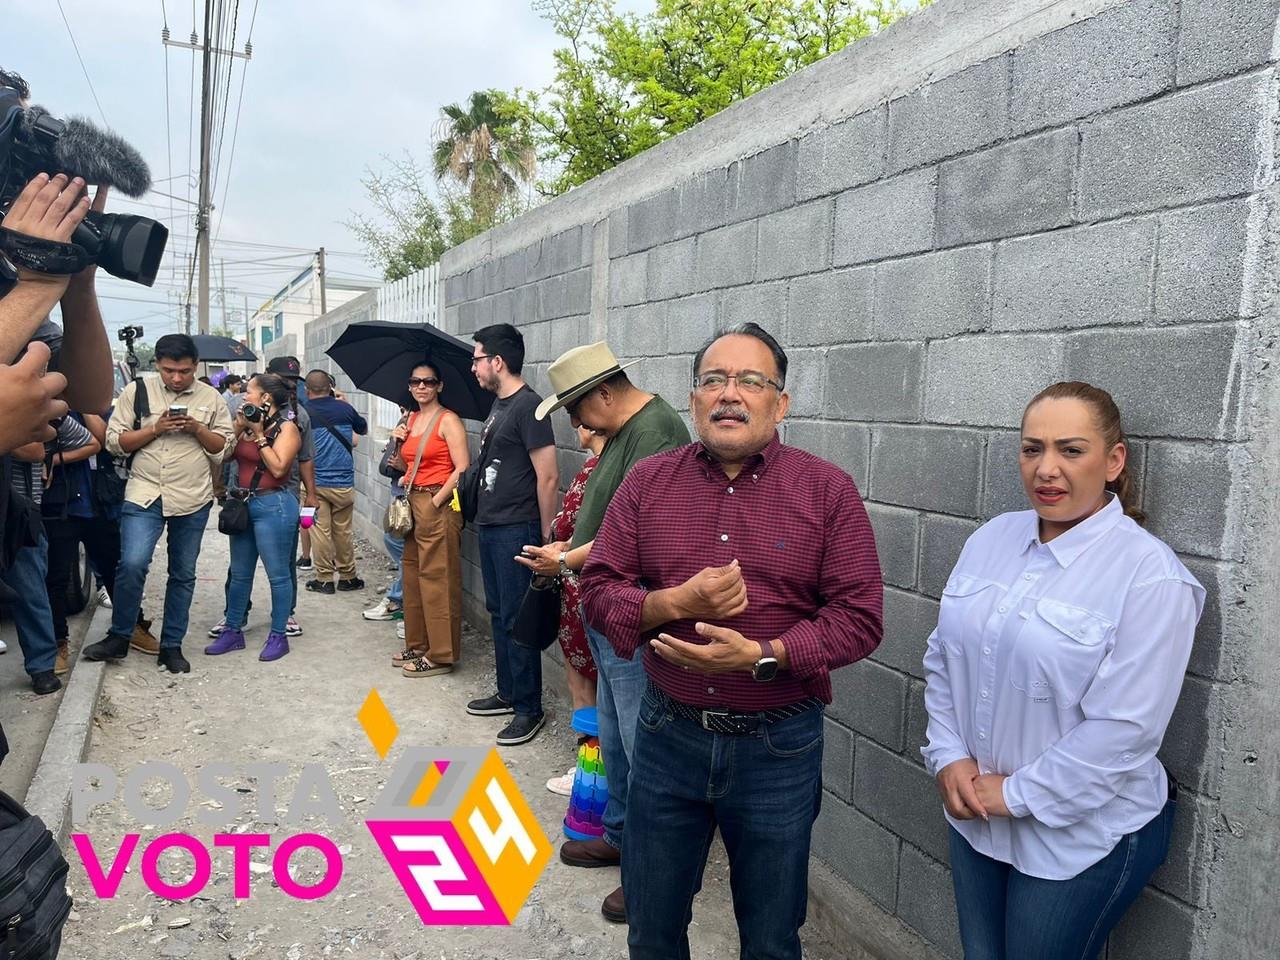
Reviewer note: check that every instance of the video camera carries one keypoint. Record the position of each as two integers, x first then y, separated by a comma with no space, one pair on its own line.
33,142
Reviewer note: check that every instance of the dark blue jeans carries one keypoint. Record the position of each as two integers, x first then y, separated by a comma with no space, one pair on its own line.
1007,915
273,518
505,583
619,688
140,530
32,618
762,791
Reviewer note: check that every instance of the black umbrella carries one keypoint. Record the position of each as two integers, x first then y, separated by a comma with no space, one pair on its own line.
379,356
214,349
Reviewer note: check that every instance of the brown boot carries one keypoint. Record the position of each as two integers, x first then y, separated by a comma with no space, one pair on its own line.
143,641
61,666
614,907
589,853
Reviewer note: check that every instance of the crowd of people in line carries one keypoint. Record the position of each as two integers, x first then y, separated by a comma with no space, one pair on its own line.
710,587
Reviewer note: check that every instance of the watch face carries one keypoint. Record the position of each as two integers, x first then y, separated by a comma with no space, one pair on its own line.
765,669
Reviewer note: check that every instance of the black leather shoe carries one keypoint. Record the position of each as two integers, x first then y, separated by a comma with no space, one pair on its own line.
171,659
320,586
493,706
521,729
109,648
590,853
355,583
45,682
614,907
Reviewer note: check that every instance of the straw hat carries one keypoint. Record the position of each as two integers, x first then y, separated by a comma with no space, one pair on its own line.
577,372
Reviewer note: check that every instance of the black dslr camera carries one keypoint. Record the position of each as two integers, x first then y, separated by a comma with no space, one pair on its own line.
252,413
33,142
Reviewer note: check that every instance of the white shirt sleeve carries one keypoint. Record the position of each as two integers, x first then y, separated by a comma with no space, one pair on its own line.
944,743
1127,707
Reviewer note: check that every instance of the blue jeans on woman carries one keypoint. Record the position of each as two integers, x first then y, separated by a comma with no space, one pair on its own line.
762,790
395,549
620,685
1007,915
272,519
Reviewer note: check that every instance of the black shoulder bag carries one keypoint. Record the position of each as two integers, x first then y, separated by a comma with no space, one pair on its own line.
112,473
234,517
319,417
33,885
469,482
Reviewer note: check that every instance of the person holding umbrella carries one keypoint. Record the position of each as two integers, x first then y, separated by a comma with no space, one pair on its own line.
433,448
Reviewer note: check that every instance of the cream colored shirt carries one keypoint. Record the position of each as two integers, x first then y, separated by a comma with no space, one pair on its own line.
174,466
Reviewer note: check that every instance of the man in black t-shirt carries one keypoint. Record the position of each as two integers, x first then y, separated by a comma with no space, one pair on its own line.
518,490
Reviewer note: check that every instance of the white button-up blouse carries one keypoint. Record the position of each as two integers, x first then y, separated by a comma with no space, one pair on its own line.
1058,665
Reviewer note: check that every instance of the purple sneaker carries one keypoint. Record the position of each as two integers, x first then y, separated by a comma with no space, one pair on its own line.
277,646
229,639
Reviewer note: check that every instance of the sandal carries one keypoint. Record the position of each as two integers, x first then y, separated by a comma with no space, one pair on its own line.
422,667
398,660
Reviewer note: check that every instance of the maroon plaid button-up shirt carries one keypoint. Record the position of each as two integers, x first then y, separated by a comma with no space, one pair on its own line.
796,525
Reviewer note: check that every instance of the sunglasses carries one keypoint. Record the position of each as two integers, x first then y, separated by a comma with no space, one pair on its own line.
423,382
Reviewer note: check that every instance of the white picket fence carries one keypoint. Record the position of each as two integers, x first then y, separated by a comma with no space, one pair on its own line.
414,299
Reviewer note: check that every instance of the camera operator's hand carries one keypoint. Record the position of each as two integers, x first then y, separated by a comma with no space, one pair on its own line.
48,208
28,399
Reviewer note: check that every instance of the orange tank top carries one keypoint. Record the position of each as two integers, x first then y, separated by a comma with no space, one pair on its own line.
436,465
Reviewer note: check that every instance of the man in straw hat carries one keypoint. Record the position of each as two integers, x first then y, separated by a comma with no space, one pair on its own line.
594,388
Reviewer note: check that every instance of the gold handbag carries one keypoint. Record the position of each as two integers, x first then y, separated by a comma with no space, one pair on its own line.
398,520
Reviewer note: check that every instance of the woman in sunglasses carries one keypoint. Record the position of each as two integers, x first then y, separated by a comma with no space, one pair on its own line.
434,451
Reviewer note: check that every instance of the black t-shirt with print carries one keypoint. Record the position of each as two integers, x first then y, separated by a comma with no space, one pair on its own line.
508,484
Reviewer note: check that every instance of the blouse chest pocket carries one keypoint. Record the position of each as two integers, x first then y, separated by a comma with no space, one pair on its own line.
966,605
1058,651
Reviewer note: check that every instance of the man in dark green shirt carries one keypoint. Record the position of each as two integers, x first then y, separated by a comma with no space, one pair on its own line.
595,391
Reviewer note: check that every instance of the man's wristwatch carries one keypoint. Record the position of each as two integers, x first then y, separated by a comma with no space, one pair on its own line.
564,567
766,668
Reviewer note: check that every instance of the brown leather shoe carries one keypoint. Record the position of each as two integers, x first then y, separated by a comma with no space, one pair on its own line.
143,641
614,907
589,853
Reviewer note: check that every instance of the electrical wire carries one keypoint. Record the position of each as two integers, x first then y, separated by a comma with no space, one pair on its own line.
76,46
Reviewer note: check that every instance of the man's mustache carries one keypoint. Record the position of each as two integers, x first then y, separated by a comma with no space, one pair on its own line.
726,412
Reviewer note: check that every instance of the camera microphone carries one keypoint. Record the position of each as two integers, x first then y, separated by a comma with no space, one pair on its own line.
97,156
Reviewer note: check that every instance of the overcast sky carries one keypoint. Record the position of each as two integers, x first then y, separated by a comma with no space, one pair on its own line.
331,87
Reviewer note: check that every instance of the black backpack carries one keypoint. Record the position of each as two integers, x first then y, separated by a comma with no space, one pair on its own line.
33,893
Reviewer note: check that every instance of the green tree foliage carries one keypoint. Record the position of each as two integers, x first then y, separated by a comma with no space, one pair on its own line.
485,148
625,82
407,231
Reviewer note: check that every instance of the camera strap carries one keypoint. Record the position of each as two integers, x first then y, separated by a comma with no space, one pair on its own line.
43,256
141,410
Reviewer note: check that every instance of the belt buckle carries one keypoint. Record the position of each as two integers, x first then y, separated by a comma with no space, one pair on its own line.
707,714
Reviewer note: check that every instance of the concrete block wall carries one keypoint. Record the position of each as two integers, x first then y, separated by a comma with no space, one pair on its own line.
937,223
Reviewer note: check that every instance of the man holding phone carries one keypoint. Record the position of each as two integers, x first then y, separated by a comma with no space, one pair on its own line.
171,428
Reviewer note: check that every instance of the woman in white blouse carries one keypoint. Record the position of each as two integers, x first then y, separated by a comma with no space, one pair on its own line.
1062,640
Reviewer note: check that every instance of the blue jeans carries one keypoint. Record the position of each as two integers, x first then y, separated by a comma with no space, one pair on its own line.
273,517
619,687
1007,915
395,549
32,618
762,790
505,583
140,529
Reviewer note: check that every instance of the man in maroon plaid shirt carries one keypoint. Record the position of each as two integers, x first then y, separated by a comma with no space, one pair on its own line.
747,571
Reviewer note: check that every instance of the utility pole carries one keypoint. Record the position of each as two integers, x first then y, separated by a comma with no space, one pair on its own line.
205,207
222,291
248,324
320,273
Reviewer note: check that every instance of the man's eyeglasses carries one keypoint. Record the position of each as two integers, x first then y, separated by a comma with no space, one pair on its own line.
477,359
748,382
423,382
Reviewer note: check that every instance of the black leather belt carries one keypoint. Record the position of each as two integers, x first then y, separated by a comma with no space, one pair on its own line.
734,722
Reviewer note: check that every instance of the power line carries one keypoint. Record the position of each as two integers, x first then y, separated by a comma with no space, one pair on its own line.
76,46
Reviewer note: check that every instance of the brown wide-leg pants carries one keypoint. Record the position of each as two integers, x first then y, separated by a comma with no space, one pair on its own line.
432,580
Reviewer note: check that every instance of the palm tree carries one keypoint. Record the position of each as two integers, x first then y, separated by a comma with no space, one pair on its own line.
480,148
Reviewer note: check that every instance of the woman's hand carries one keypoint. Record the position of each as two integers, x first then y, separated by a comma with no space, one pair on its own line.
258,428
957,785
990,790
400,432
544,561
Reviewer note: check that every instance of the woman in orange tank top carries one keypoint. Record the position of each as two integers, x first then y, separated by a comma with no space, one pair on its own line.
434,450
